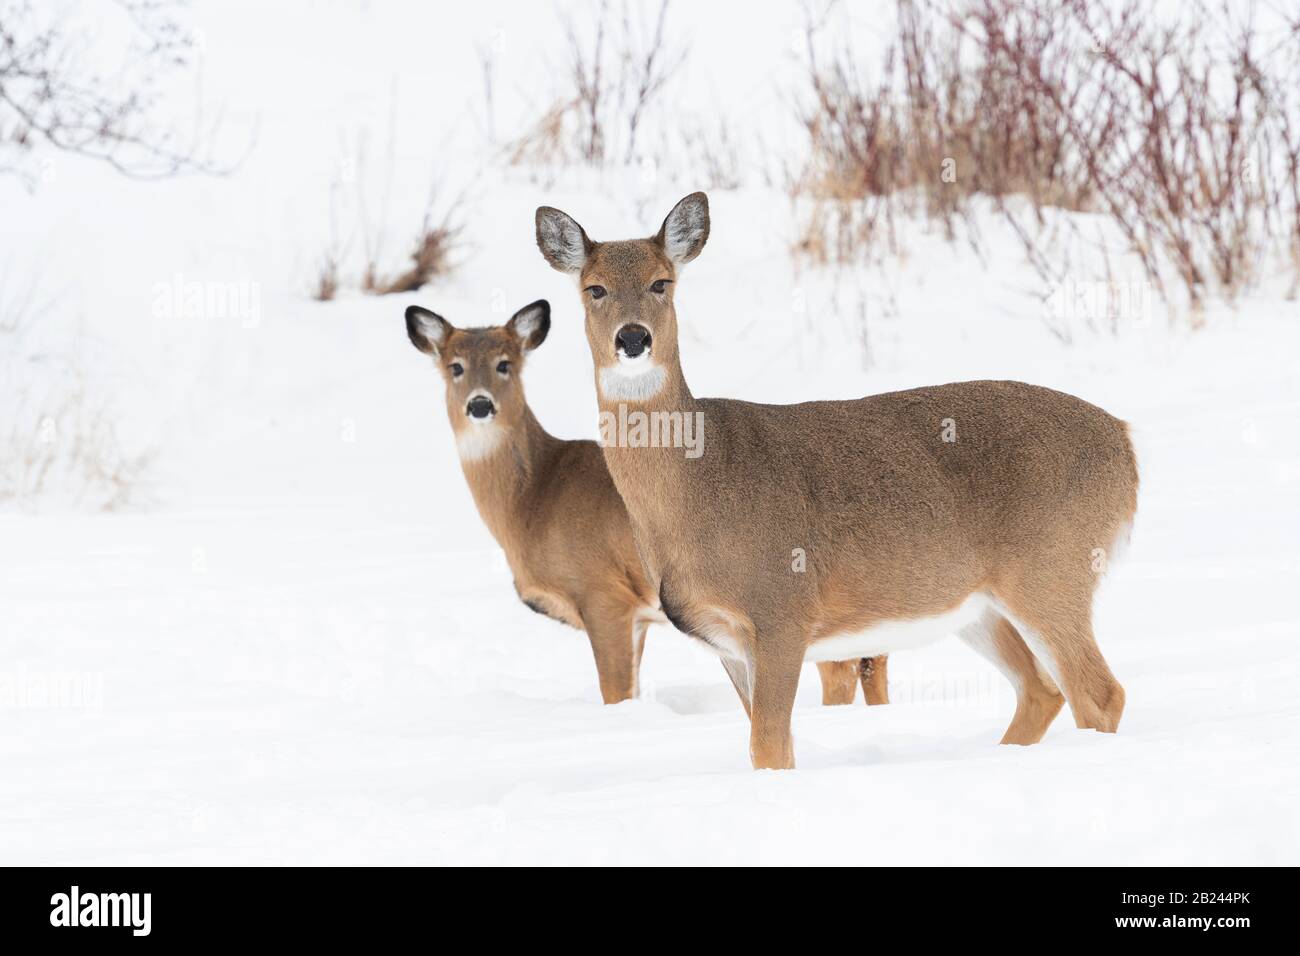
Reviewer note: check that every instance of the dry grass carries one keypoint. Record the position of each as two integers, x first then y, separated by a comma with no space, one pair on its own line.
546,141
432,253
1185,135
326,285
431,259
58,436
715,155
70,446
612,83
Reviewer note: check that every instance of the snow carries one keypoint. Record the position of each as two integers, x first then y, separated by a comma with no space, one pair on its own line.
302,646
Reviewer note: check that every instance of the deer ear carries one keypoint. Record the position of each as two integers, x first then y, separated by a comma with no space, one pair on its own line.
562,241
530,324
428,330
686,229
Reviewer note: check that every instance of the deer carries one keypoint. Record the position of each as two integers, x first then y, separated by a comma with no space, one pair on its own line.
549,503
552,506
984,509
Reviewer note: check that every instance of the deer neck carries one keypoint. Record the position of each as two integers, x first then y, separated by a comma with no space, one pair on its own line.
653,480
501,471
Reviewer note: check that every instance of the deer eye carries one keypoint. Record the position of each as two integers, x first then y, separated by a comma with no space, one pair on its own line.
659,284
597,291
457,370
503,367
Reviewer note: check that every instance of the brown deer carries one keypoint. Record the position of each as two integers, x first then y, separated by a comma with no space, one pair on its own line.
551,504
979,508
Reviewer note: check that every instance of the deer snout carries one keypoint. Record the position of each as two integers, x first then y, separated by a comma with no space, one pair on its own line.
480,407
632,340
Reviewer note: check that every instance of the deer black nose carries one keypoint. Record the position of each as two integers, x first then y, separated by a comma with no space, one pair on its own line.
632,340
480,406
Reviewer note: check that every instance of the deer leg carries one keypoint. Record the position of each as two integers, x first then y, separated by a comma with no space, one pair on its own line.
776,679
1096,698
1038,700
839,681
614,641
874,672
1055,620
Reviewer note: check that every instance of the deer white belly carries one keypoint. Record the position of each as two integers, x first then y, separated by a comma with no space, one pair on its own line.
889,636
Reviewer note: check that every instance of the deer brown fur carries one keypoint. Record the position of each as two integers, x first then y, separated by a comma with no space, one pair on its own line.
979,507
840,680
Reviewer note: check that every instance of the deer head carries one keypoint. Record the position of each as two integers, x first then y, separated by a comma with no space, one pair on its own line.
627,293
481,369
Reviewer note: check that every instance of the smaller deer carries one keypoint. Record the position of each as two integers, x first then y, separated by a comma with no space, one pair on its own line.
552,506
549,503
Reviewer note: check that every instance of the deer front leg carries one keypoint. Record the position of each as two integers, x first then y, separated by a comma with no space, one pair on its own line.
775,680
614,639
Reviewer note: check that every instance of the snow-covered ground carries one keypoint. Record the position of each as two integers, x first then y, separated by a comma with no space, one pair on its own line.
301,645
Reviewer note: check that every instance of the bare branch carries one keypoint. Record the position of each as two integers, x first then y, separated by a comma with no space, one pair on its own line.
50,98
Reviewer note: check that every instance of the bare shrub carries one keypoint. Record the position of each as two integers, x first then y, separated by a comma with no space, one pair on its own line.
919,134
58,433
50,99
431,255
547,141
617,68
326,285
704,153
430,259
69,446
1189,145
718,157
856,169
325,281
1181,161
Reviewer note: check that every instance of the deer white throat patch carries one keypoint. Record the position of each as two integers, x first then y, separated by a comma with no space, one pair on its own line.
478,439
632,380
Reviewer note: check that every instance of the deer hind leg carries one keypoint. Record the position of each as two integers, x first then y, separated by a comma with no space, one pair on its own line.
775,676
615,640
839,681
1038,699
1055,619
874,673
